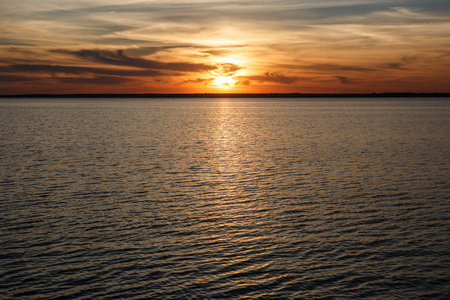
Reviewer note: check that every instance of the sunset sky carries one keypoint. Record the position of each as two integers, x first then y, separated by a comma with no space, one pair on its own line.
203,46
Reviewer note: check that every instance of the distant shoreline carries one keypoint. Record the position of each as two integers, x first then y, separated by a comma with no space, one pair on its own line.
233,95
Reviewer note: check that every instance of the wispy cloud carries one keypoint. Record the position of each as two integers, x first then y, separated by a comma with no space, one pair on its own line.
345,80
402,64
57,69
119,58
271,77
336,68
103,80
227,69
15,78
205,81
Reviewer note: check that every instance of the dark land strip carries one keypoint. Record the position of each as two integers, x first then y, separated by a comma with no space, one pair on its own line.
234,95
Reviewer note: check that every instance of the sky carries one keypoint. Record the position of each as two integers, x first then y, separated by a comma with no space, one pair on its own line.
238,46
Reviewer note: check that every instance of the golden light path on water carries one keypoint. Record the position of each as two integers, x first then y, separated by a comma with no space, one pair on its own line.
234,166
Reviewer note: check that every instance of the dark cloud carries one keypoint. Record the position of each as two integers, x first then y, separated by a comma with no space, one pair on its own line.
396,66
14,42
112,74
108,40
327,67
119,58
216,52
149,50
106,80
401,65
345,80
409,59
13,78
206,81
435,6
51,69
271,77
337,67
19,50
227,69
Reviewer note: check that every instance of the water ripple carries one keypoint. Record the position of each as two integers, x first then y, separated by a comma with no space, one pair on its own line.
229,199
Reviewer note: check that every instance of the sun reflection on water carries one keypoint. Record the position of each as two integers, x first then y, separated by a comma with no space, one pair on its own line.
227,154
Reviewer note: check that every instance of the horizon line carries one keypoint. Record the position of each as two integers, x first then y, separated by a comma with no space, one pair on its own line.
230,95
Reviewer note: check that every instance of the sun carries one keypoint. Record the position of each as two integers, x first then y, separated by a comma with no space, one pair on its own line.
224,81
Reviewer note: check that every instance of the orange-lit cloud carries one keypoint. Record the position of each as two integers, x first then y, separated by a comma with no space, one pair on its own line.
251,46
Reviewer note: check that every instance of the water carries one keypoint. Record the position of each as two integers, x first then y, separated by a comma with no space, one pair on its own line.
225,199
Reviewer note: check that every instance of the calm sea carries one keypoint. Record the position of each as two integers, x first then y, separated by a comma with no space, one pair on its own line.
225,198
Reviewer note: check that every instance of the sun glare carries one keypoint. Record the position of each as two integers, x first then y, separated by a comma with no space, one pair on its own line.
224,81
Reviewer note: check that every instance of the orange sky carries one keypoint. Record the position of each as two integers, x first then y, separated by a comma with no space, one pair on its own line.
97,46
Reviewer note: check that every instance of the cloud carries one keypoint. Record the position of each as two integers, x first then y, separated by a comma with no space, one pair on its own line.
337,67
327,67
216,52
409,59
149,50
270,77
52,69
103,80
345,80
206,81
13,78
396,66
401,65
404,14
119,58
14,42
227,69
104,67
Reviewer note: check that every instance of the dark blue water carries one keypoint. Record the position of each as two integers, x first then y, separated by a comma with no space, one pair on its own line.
225,199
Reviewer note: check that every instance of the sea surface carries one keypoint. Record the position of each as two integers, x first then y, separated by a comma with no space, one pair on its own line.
225,198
